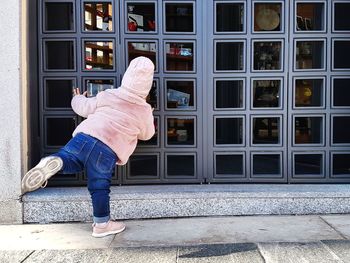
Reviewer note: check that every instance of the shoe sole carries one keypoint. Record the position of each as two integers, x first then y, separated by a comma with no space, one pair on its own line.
38,175
108,233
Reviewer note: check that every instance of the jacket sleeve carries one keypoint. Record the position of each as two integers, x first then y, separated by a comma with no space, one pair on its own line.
84,106
148,131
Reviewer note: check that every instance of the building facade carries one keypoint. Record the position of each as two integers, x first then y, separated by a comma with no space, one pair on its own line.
245,91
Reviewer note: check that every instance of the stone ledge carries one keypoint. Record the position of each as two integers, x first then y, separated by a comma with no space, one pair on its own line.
158,201
11,212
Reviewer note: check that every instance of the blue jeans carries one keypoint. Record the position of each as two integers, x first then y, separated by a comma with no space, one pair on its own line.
84,151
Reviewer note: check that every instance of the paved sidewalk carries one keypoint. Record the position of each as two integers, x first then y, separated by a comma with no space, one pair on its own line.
250,239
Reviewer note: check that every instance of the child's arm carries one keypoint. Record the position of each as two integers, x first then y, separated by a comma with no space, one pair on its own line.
81,105
149,130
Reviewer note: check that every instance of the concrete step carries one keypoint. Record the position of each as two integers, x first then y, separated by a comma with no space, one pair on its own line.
160,201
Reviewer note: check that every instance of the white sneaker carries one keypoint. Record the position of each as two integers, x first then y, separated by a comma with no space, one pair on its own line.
110,228
37,176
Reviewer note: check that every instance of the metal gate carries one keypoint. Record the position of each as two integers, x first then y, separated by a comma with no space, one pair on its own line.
244,91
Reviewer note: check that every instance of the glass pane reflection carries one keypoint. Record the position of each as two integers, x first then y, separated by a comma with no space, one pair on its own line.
98,55
341,163
341,16
180,94
308,164
94,86
146,49
141,165
267,55
229,164
341,92
59,93
266,130
308,92
308,130
341,54
59,16
229,17
141,17
309,54
341,129
59,55
267,17
98,17
266,93
310,16
179,56
180,165
59,130
229,94
229,56
179,17
229,130
180,131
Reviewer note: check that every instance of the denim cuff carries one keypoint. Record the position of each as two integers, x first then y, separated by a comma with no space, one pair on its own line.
101,219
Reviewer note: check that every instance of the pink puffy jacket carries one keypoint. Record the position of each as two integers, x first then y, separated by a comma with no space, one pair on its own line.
119,117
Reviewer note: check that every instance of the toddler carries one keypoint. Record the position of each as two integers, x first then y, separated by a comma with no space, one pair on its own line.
115,120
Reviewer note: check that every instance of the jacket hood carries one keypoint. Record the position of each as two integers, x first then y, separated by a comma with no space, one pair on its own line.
138,77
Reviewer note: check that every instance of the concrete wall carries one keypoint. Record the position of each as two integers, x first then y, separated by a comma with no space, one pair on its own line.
12,129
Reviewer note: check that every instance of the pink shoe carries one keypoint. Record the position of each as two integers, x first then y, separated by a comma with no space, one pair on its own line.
112,227
37,177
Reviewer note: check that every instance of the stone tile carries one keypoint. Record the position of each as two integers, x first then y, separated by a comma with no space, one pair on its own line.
13,256
340,222
53,236
340,247
214,230
143,255
313,252
70,256
220,253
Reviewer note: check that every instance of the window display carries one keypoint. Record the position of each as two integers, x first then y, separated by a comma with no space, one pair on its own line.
98,16
146,49
309,54
266,93
266,130
180,94
308,93
180,131
98,55
267,55
94,86
229,17
310,17
179,17
267,17
141,17
308,130
59,16
229,94
229,130
179,56
229,56
59,55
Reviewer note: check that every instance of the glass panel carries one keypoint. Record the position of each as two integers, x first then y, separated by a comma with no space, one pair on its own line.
146,49
308,92
267,17
152,98
59,93
180,165
341,129
229,56
59,16
229,164
179,17
309,54
179,56
266,93
308,130
266,164
98,17
143,165
310,16
180,94
229,17
229,130
141,17
59,130
98,55
94,86
59,55
341,164
308,163
180,131
154,139
229,94
341,16
342,54
266,130
341,92
267,55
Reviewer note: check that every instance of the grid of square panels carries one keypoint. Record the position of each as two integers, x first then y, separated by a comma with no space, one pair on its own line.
320,112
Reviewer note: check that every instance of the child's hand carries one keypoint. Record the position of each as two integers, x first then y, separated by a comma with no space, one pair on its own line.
76,91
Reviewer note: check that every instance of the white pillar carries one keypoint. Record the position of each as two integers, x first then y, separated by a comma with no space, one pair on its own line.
13,127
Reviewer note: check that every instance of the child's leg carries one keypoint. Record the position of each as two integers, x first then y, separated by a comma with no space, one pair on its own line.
100,168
